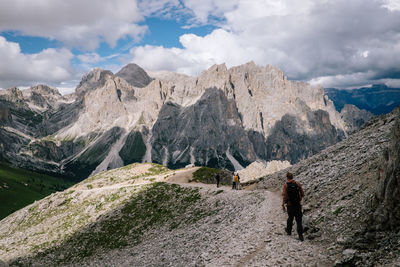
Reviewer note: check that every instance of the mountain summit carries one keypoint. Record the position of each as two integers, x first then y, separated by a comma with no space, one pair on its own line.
134,75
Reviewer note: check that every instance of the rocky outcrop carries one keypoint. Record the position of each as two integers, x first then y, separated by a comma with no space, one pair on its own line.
354,117
342,183
43,97
386,215
134,75
294,139
5,116
92,80
202,134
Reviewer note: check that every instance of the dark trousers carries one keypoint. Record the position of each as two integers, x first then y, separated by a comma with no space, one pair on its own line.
294,211
218,183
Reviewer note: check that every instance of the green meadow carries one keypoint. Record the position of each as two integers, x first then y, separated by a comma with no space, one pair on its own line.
19,188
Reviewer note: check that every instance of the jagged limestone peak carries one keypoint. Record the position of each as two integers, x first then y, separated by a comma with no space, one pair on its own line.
92,80
134,75
45,90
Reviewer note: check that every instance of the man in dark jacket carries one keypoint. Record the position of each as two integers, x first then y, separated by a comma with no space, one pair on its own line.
292,194
218,178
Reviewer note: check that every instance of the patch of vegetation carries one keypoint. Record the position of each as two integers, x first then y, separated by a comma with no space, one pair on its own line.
19,188
219,192
319,220
207,175
338,211
157,169
156,205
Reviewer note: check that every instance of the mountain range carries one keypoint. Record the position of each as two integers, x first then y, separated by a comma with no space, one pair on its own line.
148,215
377,99
224,118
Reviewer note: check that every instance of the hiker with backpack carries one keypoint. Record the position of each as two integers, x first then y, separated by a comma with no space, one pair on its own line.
234,178
292,195
218,178
235,181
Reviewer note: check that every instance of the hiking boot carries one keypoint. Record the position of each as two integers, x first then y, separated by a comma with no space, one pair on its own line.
301,238
288,232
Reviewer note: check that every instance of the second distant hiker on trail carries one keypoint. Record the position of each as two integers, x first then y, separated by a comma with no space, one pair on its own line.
235,181
292,194
218,178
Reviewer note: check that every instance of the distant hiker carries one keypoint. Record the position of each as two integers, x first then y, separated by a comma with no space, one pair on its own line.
292,195
218,178
238,181
235,182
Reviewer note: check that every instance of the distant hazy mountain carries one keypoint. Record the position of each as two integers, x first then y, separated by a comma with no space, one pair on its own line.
378,99
224,118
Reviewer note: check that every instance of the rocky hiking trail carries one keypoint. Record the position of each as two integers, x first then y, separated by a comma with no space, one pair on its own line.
222,227
261,241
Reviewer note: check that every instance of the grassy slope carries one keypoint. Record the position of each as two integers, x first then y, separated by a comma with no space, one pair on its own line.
19,188
207,175
154,205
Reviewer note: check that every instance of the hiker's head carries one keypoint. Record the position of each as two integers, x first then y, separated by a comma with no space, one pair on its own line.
289,176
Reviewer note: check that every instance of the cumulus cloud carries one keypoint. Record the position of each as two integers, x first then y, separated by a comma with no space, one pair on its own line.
76,23
18,69
90,58
197,53
337,42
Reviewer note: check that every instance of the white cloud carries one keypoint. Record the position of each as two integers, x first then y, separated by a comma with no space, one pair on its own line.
331,41
80,24
197,54
18,69
90,58
392,5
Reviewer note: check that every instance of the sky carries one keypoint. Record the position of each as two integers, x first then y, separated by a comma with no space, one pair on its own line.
336,43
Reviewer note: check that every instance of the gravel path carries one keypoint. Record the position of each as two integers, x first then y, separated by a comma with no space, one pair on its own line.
247,230
261,241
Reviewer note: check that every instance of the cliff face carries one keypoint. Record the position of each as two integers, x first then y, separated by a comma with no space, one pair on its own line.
386,215
207,133
224,117
354,117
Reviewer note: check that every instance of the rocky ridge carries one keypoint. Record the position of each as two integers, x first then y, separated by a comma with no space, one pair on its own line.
257,113
341,183
354,117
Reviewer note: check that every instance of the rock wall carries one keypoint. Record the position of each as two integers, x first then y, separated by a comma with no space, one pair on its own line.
204,134
223,118
354,117
386,215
